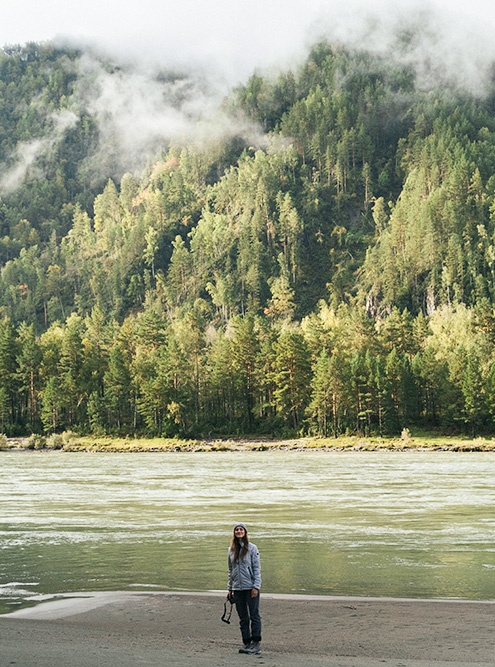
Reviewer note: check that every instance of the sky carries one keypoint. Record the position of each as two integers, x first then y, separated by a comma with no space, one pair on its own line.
231,36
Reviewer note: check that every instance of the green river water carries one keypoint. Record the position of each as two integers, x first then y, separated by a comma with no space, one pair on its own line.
418,525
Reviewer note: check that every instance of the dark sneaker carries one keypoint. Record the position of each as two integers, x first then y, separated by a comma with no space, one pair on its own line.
245,648
254,648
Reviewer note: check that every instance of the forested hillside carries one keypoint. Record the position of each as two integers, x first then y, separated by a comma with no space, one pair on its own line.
331,270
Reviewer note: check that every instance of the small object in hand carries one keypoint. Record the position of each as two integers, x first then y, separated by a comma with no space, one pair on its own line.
227,613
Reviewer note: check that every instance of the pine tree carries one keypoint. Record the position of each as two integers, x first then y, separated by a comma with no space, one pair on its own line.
53,403
291,376
472,390
245,350
29,360
8,372
117,388
326,393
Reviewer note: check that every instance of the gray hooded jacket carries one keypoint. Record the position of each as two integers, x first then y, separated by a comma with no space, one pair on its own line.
246,572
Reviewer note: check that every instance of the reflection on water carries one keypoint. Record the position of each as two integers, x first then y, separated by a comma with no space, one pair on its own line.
370,523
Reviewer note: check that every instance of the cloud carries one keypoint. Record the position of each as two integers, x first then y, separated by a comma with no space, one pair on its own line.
235,37
212,46
25,160
140,110
448,44
231,36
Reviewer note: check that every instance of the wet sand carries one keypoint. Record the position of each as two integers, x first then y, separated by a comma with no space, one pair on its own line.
130,629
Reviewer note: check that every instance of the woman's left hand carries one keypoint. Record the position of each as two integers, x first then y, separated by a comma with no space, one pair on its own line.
254,592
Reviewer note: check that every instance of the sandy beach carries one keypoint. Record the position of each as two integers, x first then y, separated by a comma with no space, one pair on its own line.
129,629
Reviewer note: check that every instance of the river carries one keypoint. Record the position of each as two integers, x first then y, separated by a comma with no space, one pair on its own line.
410,524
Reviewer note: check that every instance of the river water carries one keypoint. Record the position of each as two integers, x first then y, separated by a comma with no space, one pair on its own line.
419,524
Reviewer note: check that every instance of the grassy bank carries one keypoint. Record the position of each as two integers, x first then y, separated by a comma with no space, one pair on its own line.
406,442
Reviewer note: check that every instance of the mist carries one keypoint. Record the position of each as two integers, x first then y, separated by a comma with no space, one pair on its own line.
235,38
207,49
25,159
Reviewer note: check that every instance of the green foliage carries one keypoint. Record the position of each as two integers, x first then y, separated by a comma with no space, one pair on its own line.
341,279
337,372
55,441
36,441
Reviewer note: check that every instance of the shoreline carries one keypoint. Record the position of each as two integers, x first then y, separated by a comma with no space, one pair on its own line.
178,628
62,605
110,444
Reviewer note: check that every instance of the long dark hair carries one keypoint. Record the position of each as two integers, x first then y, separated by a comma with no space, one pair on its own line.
237,549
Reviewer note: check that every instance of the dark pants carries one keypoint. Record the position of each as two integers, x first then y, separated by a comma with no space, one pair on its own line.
248,609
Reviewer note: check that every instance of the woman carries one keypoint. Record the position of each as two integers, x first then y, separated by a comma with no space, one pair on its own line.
244,587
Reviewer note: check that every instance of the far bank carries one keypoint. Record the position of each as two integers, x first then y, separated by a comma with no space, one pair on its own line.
71,442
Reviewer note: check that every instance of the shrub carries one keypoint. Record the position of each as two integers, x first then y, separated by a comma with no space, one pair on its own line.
55,441
68,437
36,441
3,441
